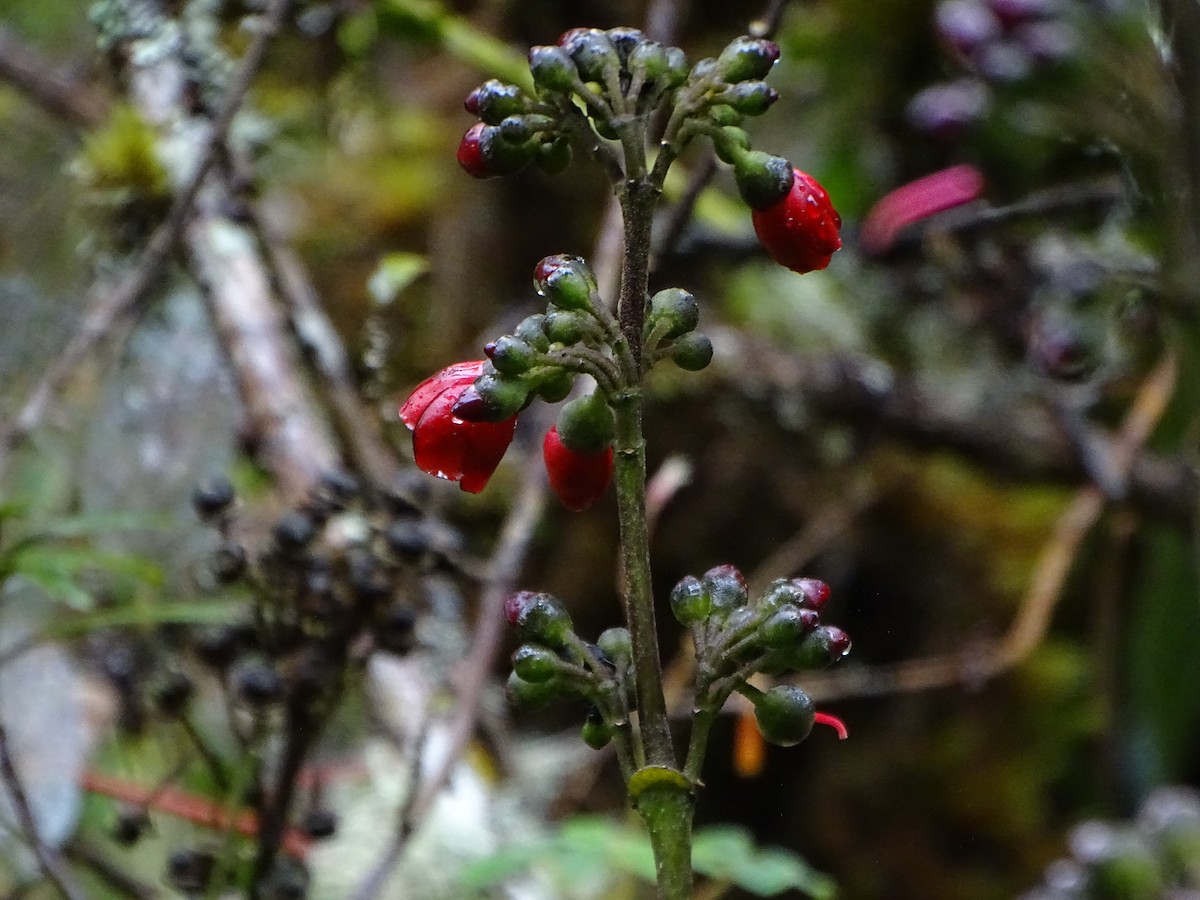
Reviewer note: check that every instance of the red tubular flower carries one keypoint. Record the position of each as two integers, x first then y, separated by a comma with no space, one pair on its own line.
577,478
801,230
443,444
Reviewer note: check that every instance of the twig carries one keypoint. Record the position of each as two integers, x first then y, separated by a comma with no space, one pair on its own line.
503,570
109,872
1027,630
107,305
47,857
68,98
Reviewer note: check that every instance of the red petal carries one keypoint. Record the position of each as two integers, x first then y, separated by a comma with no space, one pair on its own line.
458,376
486,445
578,479
440,440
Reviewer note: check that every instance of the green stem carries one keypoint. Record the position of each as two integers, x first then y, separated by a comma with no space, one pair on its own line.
665,801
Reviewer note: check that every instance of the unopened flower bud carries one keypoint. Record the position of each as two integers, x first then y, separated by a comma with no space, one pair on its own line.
538,617
565,327
566,281
692,352
483,153
785,714
493,101
530,331
787,627
746,59
826,645
617,643
677,67
590,50
510,355
555,385
676,307
552,69
625,41
492,398
529,694
596,732
651,58
726,588
587,424
690,602
535,664
751,98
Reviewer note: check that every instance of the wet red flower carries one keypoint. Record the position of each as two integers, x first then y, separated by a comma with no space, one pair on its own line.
801,230
577,478
443,444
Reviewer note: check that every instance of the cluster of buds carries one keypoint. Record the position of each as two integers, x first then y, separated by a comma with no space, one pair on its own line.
780,632
553,662
1156,855
464,417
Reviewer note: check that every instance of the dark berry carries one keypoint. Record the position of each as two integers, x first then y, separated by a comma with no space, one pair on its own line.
229,562
257,683
294,531
131,823
172,693
212,497
319,822
406,538
190,870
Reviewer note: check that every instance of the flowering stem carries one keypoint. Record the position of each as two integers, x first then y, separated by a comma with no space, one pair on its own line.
660,793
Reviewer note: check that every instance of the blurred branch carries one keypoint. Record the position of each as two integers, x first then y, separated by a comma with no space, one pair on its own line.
107,305
110,873
47,857
1024,441
978,664
40,80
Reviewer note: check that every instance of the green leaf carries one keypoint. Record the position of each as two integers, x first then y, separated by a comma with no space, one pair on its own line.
727,853
394,274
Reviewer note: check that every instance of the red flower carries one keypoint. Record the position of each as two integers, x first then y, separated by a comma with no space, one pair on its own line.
471,155
443,444
801,230
577,478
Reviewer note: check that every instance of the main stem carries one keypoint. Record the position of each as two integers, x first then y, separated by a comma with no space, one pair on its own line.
667,809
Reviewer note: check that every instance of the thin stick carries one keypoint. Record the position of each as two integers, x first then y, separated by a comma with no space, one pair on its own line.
47,857
108,305
42,82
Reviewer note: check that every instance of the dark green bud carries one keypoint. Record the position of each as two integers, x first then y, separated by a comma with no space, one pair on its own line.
492,398
520,129
678,308
808,593
497,155
552,69
528,694
510,355
651,58
824,646
530,331
747,58
563,327
591,51
539,618
751,98
677,67
535,664
617,643
762,179
555,385
596,732
787,627
726,588
554,156
731,141
785,715
690,602
566,281
493,101
587,424
692,352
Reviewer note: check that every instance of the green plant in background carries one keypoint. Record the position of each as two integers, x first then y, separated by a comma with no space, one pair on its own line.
603,92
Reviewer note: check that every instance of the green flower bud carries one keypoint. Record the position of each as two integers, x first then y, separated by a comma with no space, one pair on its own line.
591,51
493,101
676,307
539,617
528,694
530,330
807,593
564,327
554,156
787,627
510,355
535,664
724,116
762,179
617,643
552,69
587,424
651,58
521,129
596,732
747,58
692,352
824,646
726,588
751,98
785,715
677,67
690,602
554,385
566,281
